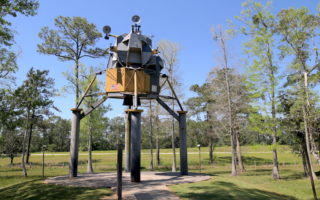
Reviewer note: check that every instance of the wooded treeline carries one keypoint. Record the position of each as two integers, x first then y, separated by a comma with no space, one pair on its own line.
269,95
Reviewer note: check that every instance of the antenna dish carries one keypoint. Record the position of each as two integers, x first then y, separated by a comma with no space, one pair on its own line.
135,19
106,29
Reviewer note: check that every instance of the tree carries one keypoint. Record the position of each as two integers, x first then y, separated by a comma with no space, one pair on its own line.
115,132
11,144
260,25
293,123
74,38
9,110
157,125
56,133
35,99
204,104
151,117
220,108
221,38
169,53
13,8
94,122
10,120
297,29
7,63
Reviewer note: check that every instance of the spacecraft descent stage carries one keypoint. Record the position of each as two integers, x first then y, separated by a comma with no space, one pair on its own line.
133,73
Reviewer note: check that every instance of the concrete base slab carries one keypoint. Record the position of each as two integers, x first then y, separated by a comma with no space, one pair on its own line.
153,185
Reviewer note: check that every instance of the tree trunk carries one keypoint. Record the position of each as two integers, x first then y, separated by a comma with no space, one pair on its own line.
174,160
308,144
210,135
89,166
24,170
157,144
61,141
275,169
11,160
313,149
233,156
305,109
231,131
77,81
151,137
309,164
211,150
240,161
304,162
29,137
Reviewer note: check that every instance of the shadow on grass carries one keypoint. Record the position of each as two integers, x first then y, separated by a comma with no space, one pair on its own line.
257,172
39,164
22,178
251,172
38,190
285,174
221,190
297,175
10,169
248,160
80,162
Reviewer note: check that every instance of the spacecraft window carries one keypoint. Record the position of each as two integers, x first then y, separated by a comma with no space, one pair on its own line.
126,42
152,67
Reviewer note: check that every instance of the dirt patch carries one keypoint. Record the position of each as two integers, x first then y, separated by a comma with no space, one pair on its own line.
153,185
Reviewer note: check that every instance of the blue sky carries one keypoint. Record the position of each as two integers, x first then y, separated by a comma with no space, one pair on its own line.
186,22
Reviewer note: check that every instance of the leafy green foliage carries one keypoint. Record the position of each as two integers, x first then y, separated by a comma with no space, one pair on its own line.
55,133
262,71
94,125
36,92
209,106
7,63
13,8
74,39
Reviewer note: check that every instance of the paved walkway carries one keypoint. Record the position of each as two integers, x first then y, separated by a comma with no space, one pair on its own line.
153,184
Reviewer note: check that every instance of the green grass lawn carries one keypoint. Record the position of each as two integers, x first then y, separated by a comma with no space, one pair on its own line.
256,183
37,190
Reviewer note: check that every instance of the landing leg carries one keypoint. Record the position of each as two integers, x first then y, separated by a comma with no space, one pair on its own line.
127,141
183,143
135,145
74,142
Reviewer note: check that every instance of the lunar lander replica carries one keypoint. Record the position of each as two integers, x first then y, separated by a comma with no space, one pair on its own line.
133,73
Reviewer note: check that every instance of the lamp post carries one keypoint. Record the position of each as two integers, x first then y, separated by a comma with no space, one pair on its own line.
199,147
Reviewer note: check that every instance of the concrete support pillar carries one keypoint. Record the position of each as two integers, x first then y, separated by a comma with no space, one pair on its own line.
127,141
74,142
183,143
135,145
